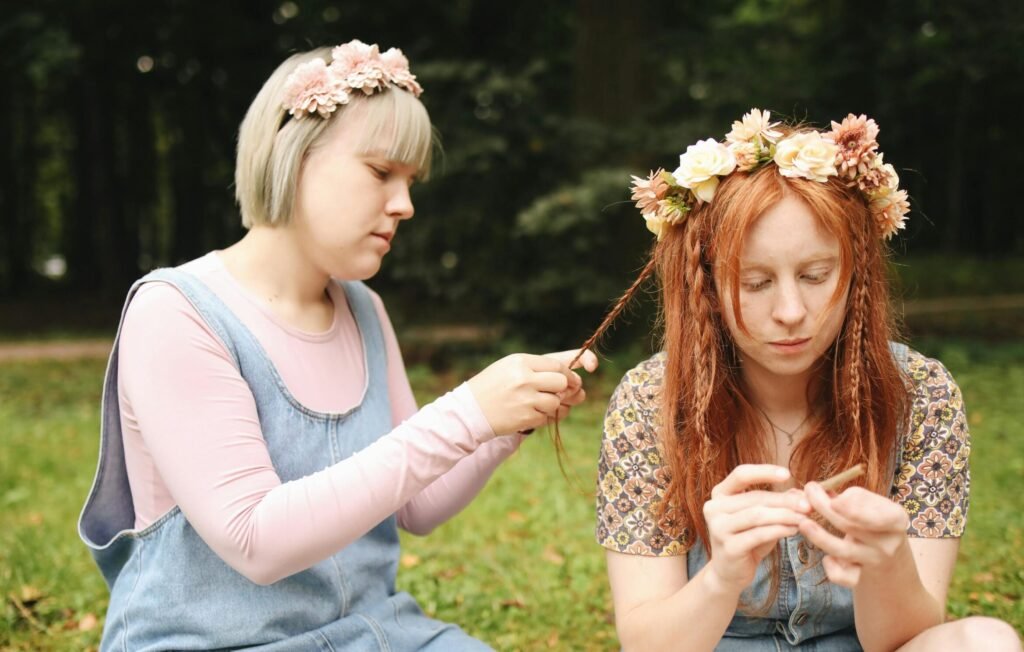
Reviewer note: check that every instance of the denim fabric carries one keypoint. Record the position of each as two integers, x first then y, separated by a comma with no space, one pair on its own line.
169,590
809,613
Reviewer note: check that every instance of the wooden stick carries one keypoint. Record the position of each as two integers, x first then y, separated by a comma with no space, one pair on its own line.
839,479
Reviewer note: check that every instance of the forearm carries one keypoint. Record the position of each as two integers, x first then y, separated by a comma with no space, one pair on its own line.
891,605
693,618
453,491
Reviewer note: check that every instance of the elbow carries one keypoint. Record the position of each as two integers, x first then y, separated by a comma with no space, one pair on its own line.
259,575
417,529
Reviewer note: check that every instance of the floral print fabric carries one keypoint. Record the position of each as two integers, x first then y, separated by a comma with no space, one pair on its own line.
931,480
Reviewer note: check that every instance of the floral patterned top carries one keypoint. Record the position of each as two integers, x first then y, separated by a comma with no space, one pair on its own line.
931,480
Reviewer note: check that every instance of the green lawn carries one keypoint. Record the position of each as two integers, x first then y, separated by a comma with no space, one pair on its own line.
519,568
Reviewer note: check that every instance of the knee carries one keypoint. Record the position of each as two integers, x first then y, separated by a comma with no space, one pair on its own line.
982,633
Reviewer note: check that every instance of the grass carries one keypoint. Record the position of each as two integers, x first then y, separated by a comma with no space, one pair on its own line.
518,568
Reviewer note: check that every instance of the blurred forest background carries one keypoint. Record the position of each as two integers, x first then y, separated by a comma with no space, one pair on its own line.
120,123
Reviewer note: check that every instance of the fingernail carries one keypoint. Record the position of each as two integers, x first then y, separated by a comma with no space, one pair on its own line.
782,473
804,505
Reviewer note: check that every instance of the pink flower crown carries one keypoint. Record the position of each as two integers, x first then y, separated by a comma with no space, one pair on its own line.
849,151
316,87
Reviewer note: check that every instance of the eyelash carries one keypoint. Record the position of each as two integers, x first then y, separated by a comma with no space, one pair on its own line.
380,173
811,278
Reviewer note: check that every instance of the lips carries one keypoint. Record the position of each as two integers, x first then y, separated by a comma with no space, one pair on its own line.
792,345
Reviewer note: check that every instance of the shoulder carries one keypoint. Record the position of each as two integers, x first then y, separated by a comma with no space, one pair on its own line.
640,387
934,393
633,473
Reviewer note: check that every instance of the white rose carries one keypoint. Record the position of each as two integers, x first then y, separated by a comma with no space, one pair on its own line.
656,225
807,155
701,165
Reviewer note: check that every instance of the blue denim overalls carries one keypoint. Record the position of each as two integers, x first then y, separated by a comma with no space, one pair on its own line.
168,590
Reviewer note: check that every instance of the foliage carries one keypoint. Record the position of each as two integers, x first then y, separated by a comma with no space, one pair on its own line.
122,119
518,568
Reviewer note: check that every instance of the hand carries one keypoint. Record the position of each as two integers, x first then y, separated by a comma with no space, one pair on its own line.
744,526
522,391
574,394
874,528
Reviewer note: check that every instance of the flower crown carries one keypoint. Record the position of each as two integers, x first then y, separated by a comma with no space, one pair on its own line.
849,151
316,87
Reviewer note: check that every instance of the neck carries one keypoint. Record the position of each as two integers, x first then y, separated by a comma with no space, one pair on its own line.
775,396
269,262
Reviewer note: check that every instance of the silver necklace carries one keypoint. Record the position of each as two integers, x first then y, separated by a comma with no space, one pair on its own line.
789,434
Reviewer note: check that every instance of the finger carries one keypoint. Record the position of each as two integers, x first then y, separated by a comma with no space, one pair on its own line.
736,502
822,503
587,360
549,381
847,575
575,398
760,516
547,404
745,475
870,512
848,548
741,544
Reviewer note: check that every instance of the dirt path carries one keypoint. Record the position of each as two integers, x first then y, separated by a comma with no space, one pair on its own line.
60,350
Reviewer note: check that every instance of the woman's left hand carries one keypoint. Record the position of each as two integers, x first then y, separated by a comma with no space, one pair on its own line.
875,530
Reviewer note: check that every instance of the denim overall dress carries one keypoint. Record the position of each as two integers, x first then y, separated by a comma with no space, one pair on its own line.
810,612
170,591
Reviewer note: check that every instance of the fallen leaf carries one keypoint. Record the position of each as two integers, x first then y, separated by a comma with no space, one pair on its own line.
34,518
513,602
553,640
516,517
409,560
551,555
88,623
983,577
30,594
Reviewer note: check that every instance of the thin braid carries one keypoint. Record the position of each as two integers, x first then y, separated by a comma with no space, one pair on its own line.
617,309
858,391
703,357
613,314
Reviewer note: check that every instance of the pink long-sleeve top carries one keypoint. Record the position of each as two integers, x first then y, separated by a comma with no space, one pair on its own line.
192,436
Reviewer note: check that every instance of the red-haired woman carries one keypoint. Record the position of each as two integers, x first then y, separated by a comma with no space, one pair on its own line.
779,370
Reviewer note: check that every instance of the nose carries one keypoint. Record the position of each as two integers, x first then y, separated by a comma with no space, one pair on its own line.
789,307
399,203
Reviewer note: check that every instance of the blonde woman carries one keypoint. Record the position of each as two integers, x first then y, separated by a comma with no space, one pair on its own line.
261,444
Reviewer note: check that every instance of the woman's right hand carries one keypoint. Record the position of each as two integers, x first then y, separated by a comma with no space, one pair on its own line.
523,391
744,525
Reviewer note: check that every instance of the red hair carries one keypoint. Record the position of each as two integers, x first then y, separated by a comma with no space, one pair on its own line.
709,425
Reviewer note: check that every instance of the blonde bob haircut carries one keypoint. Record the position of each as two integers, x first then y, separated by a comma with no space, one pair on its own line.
272,145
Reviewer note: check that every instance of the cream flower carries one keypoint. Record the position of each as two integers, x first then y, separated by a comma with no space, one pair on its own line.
648,192
746,155
656,224
753,124
890,211
701,165
807,155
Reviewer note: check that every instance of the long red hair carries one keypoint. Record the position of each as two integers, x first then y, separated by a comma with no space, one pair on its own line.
709,426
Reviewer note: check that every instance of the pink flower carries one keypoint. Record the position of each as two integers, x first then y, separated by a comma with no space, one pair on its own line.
890,212
648,192
354,55
313,88
396,68
855,137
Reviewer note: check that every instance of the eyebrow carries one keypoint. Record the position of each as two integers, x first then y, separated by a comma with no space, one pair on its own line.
813,260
